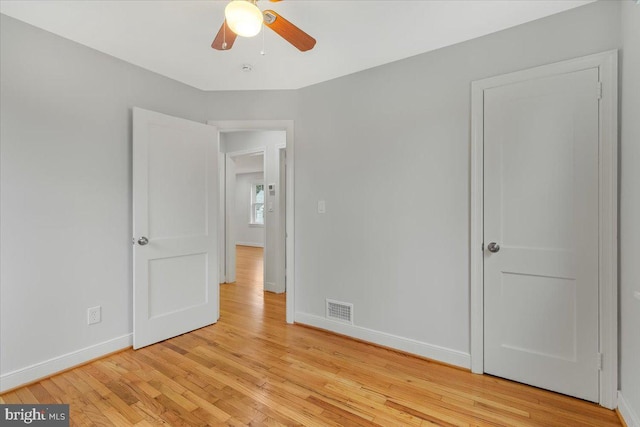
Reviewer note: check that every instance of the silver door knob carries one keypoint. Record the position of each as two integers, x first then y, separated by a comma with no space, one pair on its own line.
493,247
143,241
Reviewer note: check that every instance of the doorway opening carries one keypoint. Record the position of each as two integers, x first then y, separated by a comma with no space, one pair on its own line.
269,201
245,208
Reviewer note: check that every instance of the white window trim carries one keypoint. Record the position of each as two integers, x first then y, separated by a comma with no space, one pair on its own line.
252,203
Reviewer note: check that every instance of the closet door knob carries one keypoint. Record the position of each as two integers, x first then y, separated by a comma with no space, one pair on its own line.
493,247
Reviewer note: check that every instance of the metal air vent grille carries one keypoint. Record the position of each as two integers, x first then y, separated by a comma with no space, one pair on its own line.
340,311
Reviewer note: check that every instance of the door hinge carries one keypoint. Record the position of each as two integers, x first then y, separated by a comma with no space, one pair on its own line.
599,361
599,90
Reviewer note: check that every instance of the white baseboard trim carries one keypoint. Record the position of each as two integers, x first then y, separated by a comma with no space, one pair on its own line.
628,414
253,244
49,367
430,351
272,287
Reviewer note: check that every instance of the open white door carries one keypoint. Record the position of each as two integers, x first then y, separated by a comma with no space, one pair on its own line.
175,209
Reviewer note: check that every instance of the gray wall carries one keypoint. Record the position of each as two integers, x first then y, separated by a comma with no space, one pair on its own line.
630,209
66,190
395,238
252,105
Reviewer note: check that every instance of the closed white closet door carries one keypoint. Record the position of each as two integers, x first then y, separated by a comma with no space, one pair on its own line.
541,210
175,214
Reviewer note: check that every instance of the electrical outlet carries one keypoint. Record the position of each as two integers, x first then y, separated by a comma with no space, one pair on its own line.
94,315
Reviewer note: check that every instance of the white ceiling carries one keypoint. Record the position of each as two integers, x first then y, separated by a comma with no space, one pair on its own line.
173,38
249,163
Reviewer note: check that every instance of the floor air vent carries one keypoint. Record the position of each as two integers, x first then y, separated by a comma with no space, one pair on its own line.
340,311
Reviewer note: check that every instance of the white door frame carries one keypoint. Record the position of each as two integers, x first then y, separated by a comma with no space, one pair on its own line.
281,275
287,126
229,234
607,64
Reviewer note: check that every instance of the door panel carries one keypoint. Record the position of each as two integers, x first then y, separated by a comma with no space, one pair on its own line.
190,271
522,297
541,207
175,205
177,183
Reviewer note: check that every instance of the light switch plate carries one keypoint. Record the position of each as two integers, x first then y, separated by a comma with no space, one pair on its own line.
322,207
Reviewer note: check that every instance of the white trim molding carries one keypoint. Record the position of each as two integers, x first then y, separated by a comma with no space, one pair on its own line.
627,413
57,364
607,65
252,244
287,126
271,287
430,351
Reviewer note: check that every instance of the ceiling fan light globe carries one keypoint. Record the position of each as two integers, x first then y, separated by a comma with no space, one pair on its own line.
243,18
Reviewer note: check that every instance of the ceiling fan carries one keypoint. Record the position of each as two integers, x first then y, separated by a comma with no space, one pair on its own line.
243,18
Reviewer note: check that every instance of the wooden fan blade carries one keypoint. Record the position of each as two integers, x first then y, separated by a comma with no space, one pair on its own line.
274,1
288,31
221,38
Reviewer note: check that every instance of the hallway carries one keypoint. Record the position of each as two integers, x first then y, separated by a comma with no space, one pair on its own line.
246,294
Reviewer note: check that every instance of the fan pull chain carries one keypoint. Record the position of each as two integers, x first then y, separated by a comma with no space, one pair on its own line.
224,35
262,52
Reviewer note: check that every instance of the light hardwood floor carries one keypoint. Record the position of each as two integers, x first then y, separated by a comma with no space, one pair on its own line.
251,368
